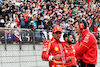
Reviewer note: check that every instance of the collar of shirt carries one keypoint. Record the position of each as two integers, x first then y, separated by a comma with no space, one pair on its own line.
53,39
85,32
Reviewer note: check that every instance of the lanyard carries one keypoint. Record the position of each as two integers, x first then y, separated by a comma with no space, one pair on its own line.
62,53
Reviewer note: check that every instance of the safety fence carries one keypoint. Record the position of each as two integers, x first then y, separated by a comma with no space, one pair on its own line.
25,36
21,36
20,47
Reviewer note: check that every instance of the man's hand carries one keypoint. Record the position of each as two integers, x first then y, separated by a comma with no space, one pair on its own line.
68,59
2,36
57,57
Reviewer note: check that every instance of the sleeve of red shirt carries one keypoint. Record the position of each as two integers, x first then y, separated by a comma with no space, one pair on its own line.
84,45
76,47
46,49
95,30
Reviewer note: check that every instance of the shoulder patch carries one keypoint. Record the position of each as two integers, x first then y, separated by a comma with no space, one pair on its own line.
46,42
86,38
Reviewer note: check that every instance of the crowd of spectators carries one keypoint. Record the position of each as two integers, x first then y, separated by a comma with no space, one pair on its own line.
42,14
45,14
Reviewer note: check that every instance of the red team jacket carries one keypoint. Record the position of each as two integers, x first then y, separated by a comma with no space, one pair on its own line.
52,48
70,52
87,50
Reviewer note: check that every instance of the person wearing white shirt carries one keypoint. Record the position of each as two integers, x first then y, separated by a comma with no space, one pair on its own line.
7,24
99,28
13,24
67,24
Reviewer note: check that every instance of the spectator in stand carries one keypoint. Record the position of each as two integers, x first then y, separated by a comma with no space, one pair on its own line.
17,21
1,21
13,23
22,22
31,27
4,10
46,24
99,28
52,10
6,18
16,35
13,11
55,24
2,36
67,24
63,24
38,21
7,23
26,18
95,31
33,23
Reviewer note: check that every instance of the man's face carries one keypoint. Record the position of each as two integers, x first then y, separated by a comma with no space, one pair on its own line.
57,35
70,40
77,28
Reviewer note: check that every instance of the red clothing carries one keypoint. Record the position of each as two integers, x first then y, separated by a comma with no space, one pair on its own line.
52,47
89,0
25,14
26,17
70,13
70,52
95,30
87,50
39,0
90,22
17,21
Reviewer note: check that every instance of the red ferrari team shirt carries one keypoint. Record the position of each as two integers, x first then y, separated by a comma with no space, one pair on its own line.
87,50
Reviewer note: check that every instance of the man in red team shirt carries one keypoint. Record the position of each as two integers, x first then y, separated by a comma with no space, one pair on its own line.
86,50
69,50
53,49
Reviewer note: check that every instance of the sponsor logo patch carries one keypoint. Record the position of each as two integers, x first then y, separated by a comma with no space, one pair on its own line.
56,48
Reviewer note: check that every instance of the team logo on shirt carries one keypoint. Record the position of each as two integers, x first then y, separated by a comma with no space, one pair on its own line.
57,27
86,39
66,51
56,48
72,47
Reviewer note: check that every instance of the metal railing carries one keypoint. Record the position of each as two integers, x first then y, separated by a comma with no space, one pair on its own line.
22,54
23,36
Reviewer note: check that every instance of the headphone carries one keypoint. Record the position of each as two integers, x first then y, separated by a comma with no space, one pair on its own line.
82,24
66,39
66,36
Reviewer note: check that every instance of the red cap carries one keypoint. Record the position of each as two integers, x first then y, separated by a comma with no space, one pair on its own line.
57,28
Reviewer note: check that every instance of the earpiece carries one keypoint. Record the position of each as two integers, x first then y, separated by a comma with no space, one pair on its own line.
66,39
81,26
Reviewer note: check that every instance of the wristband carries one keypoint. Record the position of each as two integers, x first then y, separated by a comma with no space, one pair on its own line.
50,58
